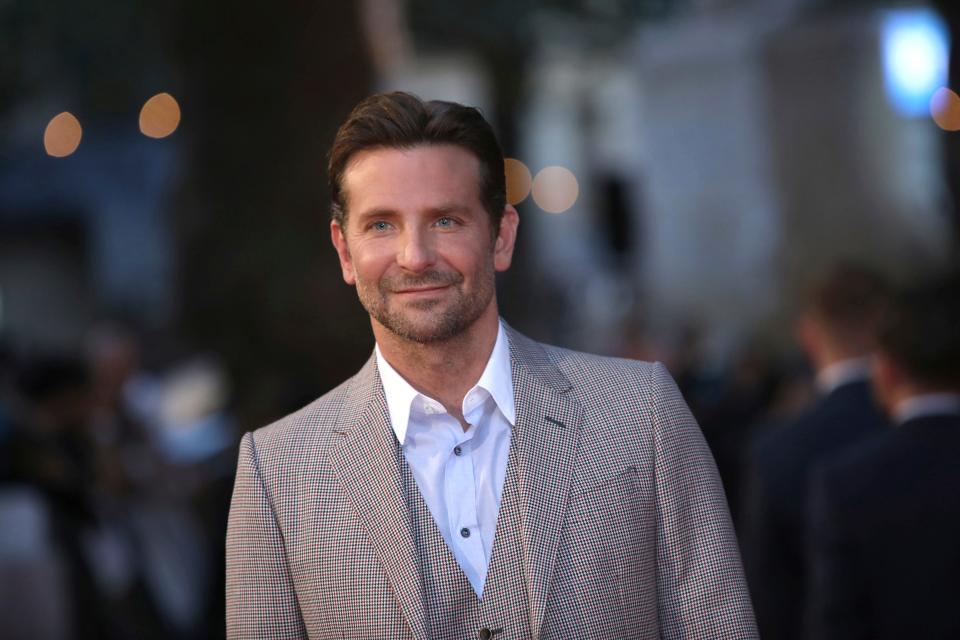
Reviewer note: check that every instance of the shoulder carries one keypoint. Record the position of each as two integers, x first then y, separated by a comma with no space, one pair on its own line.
917,449
850,475
589,374
590,370
607,387
841,419
906,475
784,444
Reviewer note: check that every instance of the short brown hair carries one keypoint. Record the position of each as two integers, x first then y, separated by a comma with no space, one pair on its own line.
401,120
850,301
922,331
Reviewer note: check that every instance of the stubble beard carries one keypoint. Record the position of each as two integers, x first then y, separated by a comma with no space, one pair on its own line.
431,320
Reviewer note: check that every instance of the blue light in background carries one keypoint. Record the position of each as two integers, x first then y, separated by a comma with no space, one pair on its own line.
916,48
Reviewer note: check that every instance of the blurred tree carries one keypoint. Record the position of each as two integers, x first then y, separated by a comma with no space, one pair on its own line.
265,86
98,59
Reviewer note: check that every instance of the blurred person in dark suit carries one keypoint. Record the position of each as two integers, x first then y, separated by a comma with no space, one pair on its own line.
837,331
885,516
65,467
51,453
743,397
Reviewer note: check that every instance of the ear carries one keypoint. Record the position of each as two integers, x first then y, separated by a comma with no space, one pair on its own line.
339,239
506,239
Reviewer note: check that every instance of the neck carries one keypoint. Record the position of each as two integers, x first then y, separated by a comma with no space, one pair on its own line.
443,370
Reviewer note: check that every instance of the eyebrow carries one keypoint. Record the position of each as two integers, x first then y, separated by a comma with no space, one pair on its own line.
377,212
448,208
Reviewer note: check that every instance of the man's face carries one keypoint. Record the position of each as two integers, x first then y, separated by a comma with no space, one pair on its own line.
417,242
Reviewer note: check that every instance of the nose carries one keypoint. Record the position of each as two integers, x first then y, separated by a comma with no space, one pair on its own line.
415,251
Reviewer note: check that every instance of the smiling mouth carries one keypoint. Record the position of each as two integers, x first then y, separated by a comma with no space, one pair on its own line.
424,290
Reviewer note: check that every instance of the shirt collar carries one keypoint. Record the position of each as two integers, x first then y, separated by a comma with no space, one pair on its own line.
496,379
928,404
833,376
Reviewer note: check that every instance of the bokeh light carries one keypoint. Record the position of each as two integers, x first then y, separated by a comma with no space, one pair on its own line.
916,49
555,189
160,116
945,109
62,135
519,180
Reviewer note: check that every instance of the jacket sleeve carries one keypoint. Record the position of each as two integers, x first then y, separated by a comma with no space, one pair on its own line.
701,589
261,601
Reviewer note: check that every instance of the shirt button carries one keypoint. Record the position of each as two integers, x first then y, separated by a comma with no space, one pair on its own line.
485,634
457,451
465,532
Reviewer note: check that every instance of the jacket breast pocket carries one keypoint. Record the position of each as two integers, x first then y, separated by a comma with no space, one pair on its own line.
611,520
606,564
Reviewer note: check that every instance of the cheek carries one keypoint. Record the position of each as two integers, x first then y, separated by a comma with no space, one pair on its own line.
467,265
369,263
469,258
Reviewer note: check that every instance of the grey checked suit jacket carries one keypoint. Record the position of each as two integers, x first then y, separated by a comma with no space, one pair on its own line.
625,527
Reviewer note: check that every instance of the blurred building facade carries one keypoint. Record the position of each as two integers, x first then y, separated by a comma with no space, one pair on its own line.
752,145
725,152
86,234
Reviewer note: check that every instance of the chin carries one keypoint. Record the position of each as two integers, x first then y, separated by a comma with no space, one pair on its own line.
426,326
424,332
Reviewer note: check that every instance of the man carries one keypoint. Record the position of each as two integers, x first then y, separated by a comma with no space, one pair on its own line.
469,482
837,331
885,517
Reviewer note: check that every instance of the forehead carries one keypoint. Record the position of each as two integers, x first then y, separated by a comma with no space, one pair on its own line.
418,177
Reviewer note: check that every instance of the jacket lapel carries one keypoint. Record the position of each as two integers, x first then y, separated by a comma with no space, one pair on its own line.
546,436
365,455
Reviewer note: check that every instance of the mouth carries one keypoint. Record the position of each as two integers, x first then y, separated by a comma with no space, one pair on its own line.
421,290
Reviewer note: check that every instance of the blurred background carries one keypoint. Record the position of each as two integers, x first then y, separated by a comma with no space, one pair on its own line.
683,170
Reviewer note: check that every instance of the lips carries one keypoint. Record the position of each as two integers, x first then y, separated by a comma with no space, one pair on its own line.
423,290
422,284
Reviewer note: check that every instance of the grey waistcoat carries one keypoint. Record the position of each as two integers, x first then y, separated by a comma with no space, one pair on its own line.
453,610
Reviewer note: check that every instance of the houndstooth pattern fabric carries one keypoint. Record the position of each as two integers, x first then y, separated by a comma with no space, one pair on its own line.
620,528
505,606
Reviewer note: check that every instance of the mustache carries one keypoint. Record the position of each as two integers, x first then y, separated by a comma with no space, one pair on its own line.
431,278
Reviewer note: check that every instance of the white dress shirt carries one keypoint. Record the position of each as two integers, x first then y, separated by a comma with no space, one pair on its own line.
460,473
927,404
843,372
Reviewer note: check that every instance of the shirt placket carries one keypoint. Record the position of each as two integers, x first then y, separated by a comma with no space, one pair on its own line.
460,494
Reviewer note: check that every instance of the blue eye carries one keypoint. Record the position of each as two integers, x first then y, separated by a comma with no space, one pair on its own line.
379,225
446,222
